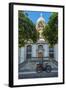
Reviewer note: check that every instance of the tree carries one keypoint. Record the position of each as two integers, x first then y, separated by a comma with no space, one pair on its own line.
26,28
50,32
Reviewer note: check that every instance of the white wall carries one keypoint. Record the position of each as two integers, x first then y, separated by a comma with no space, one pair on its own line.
21,55
46,50
4,45
34,50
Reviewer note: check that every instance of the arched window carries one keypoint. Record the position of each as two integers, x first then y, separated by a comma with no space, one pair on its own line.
40,51
28,51
40,47
51,52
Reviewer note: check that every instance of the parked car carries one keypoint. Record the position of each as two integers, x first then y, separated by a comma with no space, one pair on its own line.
43,67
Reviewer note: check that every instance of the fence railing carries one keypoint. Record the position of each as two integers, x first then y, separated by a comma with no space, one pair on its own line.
43,59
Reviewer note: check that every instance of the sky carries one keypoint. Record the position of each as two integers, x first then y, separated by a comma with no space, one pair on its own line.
34,15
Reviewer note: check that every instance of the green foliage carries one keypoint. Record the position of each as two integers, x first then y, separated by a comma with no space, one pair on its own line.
26,28
50,32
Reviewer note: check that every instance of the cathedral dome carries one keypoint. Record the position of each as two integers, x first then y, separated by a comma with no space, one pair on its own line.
40,22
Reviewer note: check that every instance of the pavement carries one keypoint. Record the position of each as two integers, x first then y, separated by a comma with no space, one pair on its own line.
34,74
28,70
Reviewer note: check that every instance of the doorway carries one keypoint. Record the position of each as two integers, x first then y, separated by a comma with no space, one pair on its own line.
40,54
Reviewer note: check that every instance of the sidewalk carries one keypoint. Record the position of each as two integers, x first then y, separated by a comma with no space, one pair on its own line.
34,72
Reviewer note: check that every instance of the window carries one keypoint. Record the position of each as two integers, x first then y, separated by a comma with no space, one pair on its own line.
40,47
51,55
28,51
51,52
51,49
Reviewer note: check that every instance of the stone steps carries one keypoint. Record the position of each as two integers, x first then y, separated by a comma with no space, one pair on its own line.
31,66
28,66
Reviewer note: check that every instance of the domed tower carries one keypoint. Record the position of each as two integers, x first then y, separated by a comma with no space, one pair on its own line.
40,25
